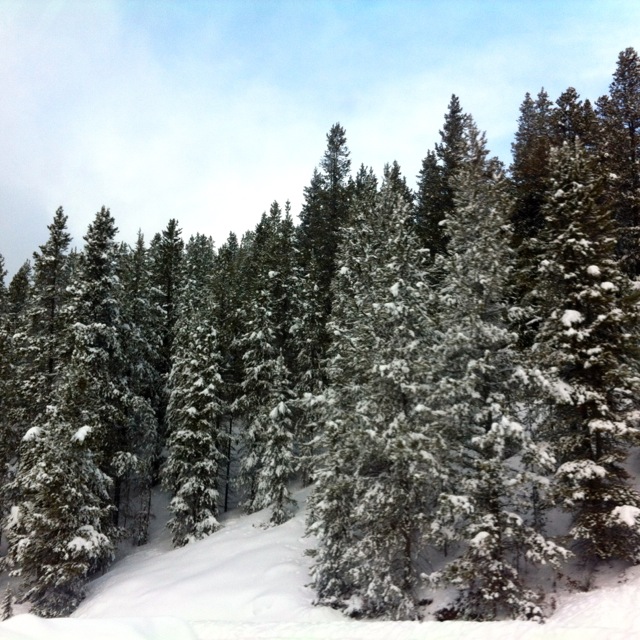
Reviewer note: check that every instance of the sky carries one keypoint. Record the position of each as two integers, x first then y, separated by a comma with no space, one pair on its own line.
207,112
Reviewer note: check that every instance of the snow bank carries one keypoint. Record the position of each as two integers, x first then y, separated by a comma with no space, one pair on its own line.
245,582
358,630
29,627
242,573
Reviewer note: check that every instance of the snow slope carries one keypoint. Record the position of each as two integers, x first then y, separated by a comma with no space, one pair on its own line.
248,582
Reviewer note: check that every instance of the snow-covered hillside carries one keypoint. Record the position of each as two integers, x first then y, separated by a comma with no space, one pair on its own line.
249,582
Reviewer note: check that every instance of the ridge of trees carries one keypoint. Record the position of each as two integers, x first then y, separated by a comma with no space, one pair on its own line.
449,367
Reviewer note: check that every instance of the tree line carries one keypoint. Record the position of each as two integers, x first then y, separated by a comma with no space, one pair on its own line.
449,365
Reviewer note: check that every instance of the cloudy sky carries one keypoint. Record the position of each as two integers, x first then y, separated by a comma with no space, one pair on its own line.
208,111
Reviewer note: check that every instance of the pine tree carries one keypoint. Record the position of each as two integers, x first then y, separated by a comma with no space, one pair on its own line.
17,408
8,445
324,213
474,403
450,150
309,334
196,449
267,398
96,371
308,376
227,297
586,350
529,169
619,115
46,327
435,193
375,473
18,292
573,119
196,445
432,202
141,343
166,254
539,128
59,535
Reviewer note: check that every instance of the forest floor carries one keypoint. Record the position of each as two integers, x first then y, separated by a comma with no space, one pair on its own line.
248,582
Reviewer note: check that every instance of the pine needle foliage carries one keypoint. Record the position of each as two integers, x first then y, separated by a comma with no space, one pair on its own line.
374,480
587,354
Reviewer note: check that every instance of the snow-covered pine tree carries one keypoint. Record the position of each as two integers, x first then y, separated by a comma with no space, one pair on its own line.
63,527
542,125
307,331
267,398
573,118
587,353
34,341
16,405
484,503
141,343
19,292
619,117
7,434
227,294
195,448
196,445
46,328
376,475
529,168
97,393
434,195
60,533
324,212
166,253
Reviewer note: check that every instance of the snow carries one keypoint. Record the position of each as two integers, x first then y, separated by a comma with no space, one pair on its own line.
562,391
29,627
81,434
626,514
245,582
279,410
479,539
89,540
614,428
570,317
593,270
13,520
31,434
582,470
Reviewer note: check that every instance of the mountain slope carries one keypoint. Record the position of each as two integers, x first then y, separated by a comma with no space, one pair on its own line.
248,582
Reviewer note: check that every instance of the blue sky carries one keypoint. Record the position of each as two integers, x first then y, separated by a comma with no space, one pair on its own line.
208,111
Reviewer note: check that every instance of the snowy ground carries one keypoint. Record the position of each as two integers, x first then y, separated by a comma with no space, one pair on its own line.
248,582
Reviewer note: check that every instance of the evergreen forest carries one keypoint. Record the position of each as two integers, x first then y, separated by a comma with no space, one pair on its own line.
454,367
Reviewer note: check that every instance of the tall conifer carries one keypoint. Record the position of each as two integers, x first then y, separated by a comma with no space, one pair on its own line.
619,115
267,398
474,404
374,476
587,354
